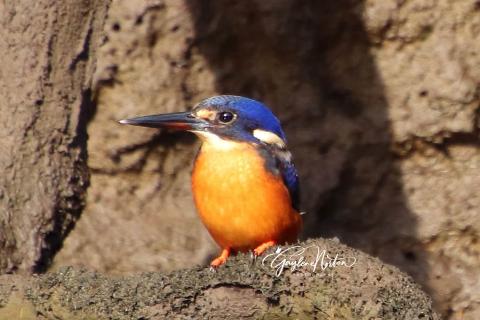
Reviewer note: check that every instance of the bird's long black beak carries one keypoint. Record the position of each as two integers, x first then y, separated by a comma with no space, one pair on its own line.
179,121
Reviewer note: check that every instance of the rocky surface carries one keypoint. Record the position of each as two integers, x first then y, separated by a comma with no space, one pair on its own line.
379,100
366,289
48,54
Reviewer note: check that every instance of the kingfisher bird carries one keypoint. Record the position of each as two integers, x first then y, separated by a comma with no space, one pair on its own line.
244,183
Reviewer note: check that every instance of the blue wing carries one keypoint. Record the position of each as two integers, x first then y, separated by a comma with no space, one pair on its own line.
278,163
290,178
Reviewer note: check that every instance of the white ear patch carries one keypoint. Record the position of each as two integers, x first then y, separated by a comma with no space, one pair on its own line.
269,137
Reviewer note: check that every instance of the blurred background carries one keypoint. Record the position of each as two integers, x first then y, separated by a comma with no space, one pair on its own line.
380,101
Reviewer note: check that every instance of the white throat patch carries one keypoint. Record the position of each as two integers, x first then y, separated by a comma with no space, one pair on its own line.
269,138
211,140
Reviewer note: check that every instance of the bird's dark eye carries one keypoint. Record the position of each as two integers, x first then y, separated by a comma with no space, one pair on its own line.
226,117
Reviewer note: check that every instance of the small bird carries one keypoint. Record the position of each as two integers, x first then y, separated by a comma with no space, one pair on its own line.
244,183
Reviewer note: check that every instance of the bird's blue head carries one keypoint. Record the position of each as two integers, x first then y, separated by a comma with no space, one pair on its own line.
227,117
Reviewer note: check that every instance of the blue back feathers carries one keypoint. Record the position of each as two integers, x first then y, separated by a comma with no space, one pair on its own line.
251,115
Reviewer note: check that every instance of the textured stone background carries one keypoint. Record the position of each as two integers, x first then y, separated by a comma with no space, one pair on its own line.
380,102
47,57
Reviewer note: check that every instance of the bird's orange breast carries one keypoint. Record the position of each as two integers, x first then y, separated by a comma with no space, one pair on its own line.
240,202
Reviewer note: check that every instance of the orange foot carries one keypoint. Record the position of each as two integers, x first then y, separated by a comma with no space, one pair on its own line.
221,259
264,246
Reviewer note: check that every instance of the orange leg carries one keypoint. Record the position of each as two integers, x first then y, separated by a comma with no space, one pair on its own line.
221,259
264,246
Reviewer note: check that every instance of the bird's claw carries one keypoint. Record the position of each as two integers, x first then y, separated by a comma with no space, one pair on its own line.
217,262
263,247
212,269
